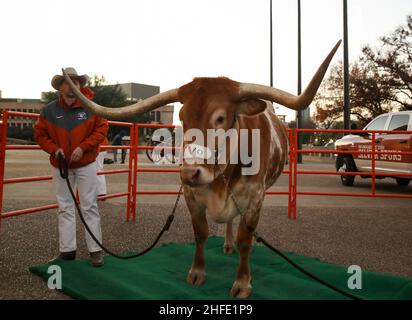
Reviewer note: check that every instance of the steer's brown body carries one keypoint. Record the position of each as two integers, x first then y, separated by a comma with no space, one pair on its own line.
203,101
220,103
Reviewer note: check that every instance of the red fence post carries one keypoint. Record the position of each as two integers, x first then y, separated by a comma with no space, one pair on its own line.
129,175
293,158
295,170
373,162
291,161
135,167
3,142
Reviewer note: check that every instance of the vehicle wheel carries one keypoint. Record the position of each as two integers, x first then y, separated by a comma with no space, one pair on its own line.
348,165
154,155
402,182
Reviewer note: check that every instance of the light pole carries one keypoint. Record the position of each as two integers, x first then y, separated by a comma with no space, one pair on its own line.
271,45
299,114
346,97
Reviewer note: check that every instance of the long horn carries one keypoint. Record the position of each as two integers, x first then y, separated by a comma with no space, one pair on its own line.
128,112
251,90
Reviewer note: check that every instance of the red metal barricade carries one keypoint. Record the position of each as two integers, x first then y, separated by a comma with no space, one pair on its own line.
158,169
4,147
133,169
373,174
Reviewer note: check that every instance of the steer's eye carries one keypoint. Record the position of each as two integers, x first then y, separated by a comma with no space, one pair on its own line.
220,120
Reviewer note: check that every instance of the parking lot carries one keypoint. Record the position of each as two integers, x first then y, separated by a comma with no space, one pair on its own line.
29,163
375,234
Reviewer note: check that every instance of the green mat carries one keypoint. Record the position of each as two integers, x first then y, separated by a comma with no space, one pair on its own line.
161,274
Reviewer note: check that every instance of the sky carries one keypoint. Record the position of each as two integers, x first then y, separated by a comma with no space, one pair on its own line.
167,43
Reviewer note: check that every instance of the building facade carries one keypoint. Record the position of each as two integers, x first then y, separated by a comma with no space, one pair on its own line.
133,92
21,105
138,91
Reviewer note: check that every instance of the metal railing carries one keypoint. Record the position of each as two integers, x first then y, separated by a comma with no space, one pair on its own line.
4,181
374,155
291,170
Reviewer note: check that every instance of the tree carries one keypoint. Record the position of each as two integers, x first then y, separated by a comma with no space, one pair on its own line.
50,96
380,81
329,99
307,137
393,57
368,96
107,95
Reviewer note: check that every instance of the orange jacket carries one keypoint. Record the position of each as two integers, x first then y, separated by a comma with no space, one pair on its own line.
69,127
104,143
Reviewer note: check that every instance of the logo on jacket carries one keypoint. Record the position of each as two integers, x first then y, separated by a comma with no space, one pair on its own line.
82,115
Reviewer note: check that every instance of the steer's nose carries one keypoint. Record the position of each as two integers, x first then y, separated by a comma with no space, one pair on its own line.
190,175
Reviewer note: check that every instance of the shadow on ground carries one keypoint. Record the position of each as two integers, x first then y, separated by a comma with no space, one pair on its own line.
374,238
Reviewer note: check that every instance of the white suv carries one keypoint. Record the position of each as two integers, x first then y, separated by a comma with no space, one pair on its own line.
384,163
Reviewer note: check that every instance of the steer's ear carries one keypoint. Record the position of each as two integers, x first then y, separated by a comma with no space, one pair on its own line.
250,107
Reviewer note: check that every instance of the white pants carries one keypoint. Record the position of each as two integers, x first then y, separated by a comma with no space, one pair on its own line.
101,179
85,180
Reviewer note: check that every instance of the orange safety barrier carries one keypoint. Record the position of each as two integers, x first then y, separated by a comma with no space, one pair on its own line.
289,193
292,171
133,168
4,147
373,173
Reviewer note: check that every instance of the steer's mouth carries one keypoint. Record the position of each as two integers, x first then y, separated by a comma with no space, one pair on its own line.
195,176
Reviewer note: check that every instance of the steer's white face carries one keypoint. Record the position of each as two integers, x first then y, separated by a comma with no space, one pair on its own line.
211,132
201,141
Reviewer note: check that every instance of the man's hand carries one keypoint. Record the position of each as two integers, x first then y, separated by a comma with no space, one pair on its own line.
76,154
59,151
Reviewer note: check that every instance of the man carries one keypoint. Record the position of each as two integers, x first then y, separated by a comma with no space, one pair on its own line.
65,127
117,141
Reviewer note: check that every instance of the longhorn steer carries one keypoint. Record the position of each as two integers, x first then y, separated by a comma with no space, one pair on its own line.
220,103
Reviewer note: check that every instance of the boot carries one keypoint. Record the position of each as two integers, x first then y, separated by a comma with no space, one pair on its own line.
96,259
70,255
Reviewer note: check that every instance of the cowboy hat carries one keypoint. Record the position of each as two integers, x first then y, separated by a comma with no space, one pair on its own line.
58,79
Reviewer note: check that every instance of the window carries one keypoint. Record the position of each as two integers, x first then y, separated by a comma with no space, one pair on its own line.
156,116
399,122
377,124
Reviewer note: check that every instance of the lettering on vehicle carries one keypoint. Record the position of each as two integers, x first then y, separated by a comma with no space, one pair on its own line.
381,157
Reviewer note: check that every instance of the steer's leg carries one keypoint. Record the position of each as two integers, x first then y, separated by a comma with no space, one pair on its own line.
229,245
242,287
197,272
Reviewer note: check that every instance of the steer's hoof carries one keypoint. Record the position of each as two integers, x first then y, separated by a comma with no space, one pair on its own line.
196,277
240,291
228,249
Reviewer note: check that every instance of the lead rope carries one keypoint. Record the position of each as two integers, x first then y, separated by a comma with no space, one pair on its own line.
260,239
64,173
